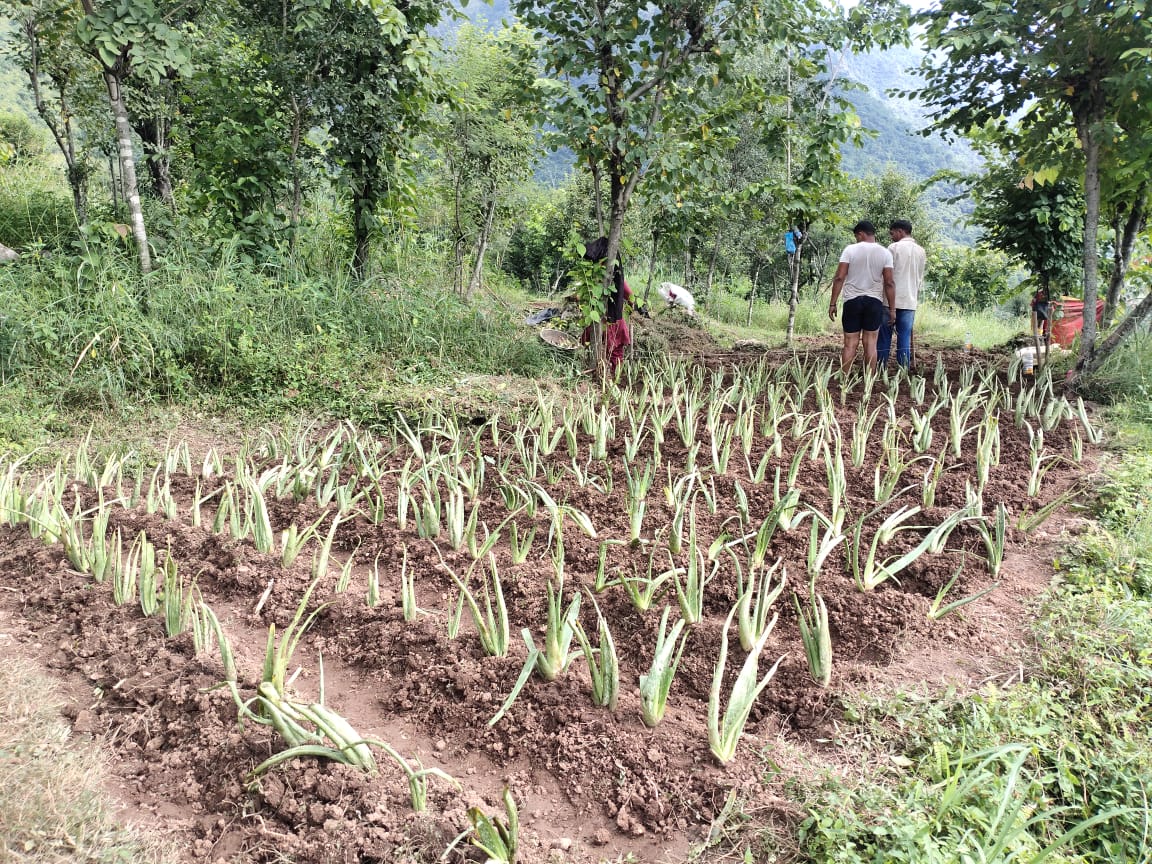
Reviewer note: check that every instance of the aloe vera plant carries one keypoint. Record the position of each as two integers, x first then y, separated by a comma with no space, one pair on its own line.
938,608
724,731
642,589
994,538
308,729
656,684
417,777
815,634
638,484
603,663
554,658
498,839
491,621
755,600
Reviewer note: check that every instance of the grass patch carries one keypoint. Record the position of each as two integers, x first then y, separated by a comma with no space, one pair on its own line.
936,324
1057,767
948,325
35,207
91,333
53,804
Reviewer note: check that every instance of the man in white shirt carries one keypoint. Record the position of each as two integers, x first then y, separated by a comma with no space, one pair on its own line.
865,278
908,264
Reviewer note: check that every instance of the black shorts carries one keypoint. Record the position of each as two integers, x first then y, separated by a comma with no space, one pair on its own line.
862,313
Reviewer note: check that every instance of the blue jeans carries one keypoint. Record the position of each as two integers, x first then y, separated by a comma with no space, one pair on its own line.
904,319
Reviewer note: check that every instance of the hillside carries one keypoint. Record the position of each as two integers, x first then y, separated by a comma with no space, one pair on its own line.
896,122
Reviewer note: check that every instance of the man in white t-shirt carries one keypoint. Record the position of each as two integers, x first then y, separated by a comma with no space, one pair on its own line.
908,263
865,278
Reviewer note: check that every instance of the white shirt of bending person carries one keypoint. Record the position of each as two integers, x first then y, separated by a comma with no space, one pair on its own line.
908,264
678,296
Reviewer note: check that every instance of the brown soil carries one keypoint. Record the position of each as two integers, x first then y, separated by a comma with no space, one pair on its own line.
591,785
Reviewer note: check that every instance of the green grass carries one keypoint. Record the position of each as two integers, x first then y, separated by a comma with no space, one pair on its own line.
947,325
935,324
35,207
1057,767
90,333
1126,378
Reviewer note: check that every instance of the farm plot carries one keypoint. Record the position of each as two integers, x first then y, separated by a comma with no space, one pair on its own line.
590,618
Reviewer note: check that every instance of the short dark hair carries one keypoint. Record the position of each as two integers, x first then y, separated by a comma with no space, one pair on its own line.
901,225
864,227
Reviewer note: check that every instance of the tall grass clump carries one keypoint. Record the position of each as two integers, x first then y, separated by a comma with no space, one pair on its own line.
988,328
35,207
271,334
729,305
1125,378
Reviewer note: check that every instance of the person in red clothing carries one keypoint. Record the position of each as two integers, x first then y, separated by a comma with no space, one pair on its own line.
617,336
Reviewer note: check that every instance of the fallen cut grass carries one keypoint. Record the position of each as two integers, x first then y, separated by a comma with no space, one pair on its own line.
53,803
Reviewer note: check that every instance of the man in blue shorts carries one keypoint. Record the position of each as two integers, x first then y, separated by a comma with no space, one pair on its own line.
865,278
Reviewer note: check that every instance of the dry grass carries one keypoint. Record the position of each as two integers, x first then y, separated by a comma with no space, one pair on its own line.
53,804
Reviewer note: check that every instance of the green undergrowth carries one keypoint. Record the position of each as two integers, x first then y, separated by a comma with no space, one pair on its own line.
1055,765
86,333
937,325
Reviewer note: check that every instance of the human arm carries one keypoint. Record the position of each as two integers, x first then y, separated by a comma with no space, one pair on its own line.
890,294
631,301
837,287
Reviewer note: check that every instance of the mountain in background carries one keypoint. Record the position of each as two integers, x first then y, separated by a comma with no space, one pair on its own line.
898,140
897,123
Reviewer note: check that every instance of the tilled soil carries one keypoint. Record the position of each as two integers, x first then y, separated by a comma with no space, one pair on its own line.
591,784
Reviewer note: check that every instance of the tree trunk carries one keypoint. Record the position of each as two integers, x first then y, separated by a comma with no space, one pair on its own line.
1041,359
651,266
1116,338
482,246
361,220
712,261
620,192
1123,244
61,131
128,170
113,185
297,184
458,242
752,293
153,134
596,199
1089,138
794,295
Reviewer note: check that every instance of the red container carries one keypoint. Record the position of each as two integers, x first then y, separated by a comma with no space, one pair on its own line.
1064,330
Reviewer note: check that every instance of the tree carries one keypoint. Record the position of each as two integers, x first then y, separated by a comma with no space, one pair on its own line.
631,79
244,157
361,70
1078,65
1041,225
131,37
374,87
56,70
488,139
818,120
969,278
